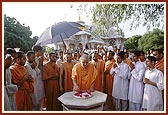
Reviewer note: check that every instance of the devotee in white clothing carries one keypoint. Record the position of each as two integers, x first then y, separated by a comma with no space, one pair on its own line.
32,72
136,86
10,88
40,86
154,84
121,72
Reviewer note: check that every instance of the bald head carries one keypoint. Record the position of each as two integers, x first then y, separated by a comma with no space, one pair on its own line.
84,60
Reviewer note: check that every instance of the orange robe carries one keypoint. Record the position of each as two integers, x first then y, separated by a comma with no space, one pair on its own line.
68,84
98,84
23,98
84,77
160,65
51,86
109,78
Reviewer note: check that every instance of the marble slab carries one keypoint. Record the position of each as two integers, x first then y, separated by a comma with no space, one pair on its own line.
98,98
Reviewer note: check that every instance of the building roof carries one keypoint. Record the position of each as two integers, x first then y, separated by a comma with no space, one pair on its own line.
96,41
83,33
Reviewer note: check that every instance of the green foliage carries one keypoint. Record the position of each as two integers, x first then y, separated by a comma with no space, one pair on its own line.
108,15
48,49
132,43
152,39
17,35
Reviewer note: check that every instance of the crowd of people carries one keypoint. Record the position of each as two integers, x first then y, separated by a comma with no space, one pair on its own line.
133,81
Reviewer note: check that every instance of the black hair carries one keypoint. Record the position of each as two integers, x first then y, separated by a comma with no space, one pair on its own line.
121,54
20,54
151,58
10,51
37,48
51,54
29,53
137,53
160,50
142,52
111,52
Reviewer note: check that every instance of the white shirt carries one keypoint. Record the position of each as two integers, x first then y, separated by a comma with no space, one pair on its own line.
11,89
152,99
136,86
40,85
32,72
121,81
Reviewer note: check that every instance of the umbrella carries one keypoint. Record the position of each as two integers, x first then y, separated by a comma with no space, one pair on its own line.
58,32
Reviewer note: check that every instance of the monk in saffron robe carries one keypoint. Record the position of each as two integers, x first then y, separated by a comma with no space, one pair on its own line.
65,82
109,78
51,86
158,54
99,65
84,74
24,82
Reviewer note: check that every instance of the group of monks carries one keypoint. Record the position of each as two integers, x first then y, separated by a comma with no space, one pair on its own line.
36,81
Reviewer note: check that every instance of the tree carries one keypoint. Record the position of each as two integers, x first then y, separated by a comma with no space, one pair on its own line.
152,39
132,43
107,15
17,35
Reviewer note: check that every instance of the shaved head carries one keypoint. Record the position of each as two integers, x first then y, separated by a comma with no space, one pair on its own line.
84,57
84,60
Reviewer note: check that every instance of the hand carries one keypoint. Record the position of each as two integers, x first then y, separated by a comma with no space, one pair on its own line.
132,67
76,88
61,90
92,89
146,80
114,65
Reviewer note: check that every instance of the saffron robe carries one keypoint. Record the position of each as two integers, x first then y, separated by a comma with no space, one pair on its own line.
51,86
108,77
67,80
23,96
160,65
98,84
84,77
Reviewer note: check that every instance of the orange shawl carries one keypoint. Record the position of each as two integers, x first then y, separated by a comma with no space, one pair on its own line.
108,77
23,98
98,84
160,65
68,84
84,77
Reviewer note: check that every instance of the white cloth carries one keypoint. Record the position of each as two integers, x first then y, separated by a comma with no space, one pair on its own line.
121,81
7,106
152,99
59,62
136,86
32,72
40,85
11,89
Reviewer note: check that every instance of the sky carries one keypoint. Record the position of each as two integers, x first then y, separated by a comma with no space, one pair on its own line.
39,16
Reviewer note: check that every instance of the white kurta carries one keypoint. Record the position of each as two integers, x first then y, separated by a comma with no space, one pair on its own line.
40,85
11,90
33,74
121,81
152,99
136,86
7,106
